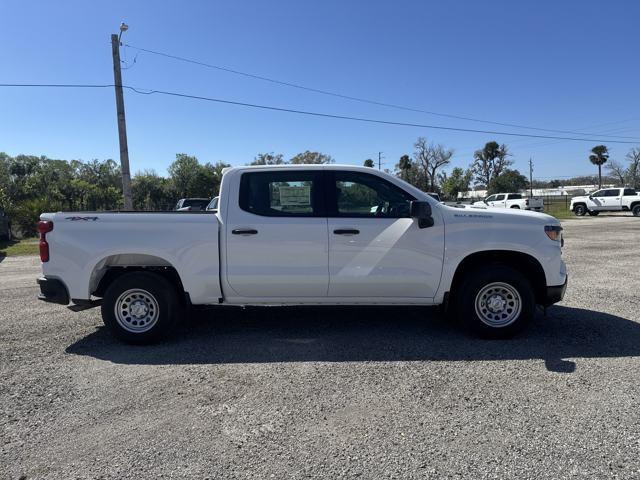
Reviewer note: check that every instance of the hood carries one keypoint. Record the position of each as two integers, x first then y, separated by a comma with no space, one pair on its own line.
515,214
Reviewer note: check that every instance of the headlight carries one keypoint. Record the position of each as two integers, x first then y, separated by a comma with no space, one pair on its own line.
554,232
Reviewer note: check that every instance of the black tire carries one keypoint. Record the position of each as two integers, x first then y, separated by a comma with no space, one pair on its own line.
155,301
636,210
580,210
593,213
497,283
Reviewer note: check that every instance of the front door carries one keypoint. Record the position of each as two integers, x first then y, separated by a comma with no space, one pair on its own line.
375,249
276,238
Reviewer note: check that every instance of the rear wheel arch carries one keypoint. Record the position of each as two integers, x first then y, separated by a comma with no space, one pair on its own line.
113,267
524,263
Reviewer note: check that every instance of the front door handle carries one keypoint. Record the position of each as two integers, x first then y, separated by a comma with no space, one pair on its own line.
346,231
244,231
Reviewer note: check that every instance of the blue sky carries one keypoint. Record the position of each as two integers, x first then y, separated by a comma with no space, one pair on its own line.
569,65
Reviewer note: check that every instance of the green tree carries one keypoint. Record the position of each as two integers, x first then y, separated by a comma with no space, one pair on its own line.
599,156
311,158
507,181
184,172
457,182
369,163
268,159
490,162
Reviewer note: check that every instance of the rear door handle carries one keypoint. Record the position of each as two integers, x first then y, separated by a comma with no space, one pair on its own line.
346,231
244,231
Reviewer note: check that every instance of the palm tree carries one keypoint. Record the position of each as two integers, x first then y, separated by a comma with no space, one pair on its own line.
599,156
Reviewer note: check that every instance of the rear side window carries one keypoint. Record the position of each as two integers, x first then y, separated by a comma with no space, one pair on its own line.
515,196
282,194
629,192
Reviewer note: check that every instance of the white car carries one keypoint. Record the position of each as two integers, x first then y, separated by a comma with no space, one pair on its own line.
305,235
607,200
512,200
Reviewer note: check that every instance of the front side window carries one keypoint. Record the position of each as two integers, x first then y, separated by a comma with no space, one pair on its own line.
499,198
490,198
629,192
599,193
281,194
612,192
356,194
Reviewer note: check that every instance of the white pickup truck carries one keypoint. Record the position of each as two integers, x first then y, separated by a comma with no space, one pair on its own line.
305,235
607,200
512,200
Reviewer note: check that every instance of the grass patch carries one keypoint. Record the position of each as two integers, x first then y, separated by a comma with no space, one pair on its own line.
12,248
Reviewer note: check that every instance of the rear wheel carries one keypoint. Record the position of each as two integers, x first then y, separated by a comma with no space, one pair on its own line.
515,206
580,210
495,302
593,213
636,210
140,307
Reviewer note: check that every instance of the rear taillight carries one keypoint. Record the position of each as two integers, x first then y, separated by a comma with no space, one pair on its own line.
44,227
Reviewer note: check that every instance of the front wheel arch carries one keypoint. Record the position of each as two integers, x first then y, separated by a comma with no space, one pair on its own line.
524,263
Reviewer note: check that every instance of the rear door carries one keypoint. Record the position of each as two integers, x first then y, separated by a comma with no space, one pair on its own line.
613,199
276,235
375,249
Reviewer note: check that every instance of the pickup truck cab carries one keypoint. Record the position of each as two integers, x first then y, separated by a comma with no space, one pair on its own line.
607,200
305,235
512,200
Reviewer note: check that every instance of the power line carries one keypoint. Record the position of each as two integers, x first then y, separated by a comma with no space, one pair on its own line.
356,99
320,114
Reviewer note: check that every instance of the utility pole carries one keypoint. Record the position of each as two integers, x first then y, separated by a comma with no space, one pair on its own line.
379,160
530,177
122,125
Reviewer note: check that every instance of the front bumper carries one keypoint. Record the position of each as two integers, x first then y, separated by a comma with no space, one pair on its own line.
555,293
53,290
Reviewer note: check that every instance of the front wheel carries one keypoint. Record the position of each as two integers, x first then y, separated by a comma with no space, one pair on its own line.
636,210
580,210
140,307
495,302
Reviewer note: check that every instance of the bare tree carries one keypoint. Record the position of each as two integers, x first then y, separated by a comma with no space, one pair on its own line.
429,158
617,170
633,172
490,162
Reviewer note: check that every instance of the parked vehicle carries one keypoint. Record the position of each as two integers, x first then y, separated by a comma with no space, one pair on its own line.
607,200
192,204
213,205
435,196
512,200
5,226
305,235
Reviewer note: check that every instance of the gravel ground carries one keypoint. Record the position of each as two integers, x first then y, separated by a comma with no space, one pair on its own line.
332,393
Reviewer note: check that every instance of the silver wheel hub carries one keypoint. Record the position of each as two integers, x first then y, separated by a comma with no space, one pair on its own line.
136,310
498,304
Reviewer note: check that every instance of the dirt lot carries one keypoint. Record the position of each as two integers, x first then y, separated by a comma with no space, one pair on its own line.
332,393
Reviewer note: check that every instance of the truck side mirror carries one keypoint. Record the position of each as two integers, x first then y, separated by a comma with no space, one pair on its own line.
421,211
